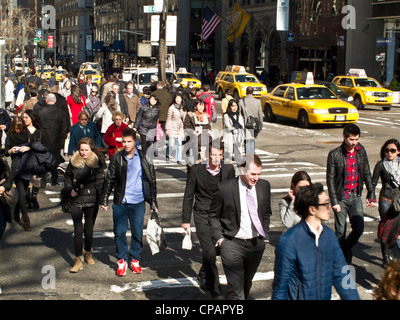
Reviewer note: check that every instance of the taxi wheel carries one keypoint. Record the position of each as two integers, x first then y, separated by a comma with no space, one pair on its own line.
303,120
236,95
358,103
269,115
386,108
220,94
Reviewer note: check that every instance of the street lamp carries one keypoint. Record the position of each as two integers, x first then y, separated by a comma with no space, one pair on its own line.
162,49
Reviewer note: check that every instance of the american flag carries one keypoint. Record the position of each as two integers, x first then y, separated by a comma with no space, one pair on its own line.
210,22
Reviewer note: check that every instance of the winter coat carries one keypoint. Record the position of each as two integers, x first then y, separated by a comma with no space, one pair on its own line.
146,119
77,134
86,176
112,133
116,179
336,172
174,124
75,108
105,114
304,271
389,189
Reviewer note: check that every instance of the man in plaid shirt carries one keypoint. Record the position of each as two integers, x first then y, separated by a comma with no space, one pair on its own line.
347,171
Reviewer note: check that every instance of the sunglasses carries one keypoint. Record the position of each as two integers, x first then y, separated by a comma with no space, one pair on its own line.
326,205
387,150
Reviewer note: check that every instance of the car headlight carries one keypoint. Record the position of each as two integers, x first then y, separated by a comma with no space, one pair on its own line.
244,88
353,110
319,111
349,99
368,93
390,94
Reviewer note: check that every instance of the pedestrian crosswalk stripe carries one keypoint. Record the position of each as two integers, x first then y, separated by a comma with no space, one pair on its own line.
178,283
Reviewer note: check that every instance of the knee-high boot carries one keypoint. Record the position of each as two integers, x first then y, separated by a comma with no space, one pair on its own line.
34,202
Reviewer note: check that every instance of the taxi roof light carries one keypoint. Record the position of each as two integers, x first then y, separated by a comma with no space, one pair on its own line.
302,77
235,68
182,70
353,72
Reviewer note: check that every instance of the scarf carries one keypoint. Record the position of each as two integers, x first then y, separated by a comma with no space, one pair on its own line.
234,116
16,139
393,168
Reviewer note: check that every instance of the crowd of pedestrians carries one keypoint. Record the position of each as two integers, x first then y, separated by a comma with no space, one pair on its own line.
93,125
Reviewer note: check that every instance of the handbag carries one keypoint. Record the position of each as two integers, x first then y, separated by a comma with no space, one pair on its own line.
389,227
155,234
159,132
252,123
8,201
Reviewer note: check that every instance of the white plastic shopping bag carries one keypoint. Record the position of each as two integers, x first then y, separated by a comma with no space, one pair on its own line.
187,240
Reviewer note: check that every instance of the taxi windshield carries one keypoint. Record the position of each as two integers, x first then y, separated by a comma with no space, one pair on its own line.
367,83
314,93
334,88
186,76
245,78
90,72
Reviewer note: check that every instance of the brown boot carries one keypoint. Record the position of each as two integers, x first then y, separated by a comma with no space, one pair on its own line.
77,266
26,223
87,255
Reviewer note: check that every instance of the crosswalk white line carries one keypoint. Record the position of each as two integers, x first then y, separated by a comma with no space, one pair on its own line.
178,283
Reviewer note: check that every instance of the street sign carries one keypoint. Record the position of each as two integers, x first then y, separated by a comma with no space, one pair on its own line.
39,33
50,42
148,9
290,37
36,40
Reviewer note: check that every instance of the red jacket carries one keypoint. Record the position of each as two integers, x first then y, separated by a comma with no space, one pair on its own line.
110,136
75,108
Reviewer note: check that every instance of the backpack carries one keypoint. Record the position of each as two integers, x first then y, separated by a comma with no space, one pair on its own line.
209,103
389,227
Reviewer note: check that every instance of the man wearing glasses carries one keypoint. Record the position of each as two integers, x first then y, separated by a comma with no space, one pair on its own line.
308,258
347,171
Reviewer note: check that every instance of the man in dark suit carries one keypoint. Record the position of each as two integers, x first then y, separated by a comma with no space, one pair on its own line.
239,216
202,183
54,130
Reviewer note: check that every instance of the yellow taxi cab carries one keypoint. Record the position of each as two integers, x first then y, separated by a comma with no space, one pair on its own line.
91,65
308,103
364,90
184,77
237,79
59,72
96,76
46,72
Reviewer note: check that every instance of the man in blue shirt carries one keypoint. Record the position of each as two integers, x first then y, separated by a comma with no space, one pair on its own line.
135,182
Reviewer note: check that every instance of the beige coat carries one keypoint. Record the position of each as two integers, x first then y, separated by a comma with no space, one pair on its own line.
174,124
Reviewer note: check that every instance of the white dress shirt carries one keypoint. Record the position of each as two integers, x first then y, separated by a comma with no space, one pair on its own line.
246,228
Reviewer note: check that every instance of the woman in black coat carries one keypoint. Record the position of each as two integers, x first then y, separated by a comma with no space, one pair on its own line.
6,181
84,178
17,146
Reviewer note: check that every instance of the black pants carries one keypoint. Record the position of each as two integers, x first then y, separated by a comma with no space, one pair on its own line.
240,260
77,214
22,186
208,271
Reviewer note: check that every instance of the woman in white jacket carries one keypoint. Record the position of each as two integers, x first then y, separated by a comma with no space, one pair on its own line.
234,130
174,127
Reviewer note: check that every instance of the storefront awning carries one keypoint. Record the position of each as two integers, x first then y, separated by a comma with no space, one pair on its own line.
98,46
118,46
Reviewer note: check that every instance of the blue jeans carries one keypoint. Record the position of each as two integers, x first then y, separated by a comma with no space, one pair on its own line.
134,215
384,205
171,144
354,208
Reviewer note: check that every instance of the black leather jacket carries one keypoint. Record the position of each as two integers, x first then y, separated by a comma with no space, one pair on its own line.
336,171
116,177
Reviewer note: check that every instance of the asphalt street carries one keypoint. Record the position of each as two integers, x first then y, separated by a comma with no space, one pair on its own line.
35,265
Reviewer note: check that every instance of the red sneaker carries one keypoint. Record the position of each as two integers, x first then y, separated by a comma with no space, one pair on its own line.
122,265
135,266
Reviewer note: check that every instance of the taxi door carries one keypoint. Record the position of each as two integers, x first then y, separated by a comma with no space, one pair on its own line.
278,101
289,103
347,85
